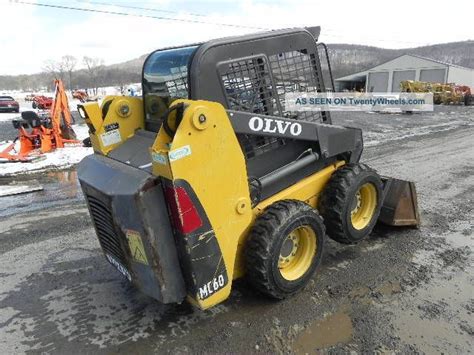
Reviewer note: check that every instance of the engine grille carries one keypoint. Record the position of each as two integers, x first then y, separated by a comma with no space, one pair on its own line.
108,238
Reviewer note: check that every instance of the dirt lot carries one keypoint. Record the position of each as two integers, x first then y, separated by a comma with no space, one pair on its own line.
402,289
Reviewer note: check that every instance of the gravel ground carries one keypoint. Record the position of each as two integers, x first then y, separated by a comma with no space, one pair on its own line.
403,290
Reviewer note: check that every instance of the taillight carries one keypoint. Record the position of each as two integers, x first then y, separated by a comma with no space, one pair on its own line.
184,214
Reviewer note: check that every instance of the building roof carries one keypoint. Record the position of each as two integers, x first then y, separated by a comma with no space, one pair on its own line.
362,74
438,61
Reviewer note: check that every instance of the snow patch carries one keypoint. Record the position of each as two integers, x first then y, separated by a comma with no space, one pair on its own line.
13,189
9,116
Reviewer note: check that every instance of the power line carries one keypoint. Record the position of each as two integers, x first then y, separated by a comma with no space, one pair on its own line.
137,15
140,8
164,18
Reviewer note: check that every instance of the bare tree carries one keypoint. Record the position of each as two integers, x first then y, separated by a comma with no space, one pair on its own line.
68,64
94,67
54,69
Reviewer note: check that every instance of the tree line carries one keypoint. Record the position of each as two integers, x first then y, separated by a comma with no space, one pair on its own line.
91,73
85,73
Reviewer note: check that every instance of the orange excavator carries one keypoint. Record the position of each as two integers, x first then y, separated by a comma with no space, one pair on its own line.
44,132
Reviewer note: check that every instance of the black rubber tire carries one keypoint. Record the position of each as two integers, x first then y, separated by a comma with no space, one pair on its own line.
34,105
468,100
87,142
336,201
264,244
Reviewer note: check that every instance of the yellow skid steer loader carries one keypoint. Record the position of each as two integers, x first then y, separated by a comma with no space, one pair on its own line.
208,178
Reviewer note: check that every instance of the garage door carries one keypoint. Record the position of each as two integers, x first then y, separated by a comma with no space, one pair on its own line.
378,82
399,76
432,75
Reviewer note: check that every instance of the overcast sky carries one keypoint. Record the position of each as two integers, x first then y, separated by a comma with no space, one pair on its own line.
30,35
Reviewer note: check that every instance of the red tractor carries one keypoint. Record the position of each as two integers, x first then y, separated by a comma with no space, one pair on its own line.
42,102
465,91
80,95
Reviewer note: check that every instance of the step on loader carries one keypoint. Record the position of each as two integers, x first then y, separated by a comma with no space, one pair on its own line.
207,178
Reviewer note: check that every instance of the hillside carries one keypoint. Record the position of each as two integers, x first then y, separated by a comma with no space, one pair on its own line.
345,59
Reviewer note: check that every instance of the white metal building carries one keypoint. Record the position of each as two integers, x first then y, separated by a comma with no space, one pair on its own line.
387,76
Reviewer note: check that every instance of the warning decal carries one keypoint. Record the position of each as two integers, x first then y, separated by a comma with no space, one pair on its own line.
111,137
136,246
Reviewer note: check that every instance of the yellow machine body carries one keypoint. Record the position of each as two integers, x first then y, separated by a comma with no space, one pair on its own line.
188,195
205,152
203,173
113,122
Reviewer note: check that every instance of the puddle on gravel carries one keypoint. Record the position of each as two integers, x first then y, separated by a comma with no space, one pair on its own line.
389,288
438,317
59,187
335,328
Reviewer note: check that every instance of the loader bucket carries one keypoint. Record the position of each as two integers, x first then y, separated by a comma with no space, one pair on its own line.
400,205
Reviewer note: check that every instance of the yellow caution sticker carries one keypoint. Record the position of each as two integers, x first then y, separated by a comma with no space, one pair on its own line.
136,246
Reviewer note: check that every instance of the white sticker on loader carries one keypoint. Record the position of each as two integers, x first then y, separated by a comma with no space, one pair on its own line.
111,137
179,153
159,158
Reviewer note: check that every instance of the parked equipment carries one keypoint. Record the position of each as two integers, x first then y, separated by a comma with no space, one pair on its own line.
465,92
446,94
42,102
469,100
30,97
81,95
44,132
208,178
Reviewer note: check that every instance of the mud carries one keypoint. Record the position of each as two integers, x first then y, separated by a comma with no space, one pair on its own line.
401,290
332,330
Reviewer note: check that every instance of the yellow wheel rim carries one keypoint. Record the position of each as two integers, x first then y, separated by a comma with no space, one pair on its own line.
297,253
363,206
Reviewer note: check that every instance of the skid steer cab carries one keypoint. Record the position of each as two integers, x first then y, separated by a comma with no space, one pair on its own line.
207,178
